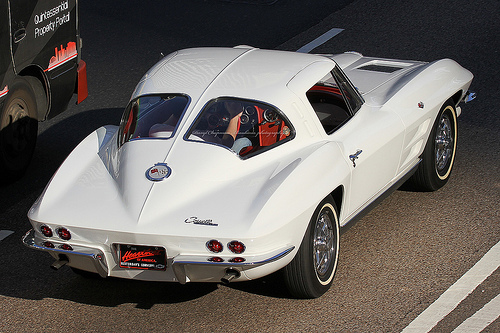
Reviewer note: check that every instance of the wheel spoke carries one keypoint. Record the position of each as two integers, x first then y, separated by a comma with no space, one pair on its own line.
323,243
443,143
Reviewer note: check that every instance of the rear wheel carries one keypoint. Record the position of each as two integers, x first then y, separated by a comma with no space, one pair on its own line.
439,153
18,130
311,272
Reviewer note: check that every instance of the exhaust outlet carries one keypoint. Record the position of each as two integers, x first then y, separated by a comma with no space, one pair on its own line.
63,260
230,275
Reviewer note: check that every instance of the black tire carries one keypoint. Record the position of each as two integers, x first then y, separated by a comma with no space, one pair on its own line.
439,153
311,272
18,130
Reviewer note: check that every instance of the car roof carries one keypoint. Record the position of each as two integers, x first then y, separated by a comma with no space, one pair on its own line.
240,71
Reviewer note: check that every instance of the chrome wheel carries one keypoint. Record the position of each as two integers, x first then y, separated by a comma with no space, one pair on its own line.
444,144
323,243
439,152
311,272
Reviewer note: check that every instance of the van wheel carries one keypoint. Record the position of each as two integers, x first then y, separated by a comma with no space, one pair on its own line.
18,130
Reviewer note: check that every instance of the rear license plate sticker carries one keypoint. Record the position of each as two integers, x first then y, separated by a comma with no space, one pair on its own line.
142,257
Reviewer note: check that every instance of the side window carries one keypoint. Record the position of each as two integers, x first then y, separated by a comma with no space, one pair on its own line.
334,99
243,126
152,116
328,103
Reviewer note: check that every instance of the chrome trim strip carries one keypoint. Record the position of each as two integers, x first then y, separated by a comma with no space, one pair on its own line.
276,257
202,260
179,262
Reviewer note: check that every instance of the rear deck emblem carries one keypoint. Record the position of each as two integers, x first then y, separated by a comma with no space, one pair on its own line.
158,172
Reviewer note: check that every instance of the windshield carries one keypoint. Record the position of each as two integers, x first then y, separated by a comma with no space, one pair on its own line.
244,126
153,116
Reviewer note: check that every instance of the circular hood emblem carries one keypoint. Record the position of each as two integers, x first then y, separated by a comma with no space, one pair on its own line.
158,172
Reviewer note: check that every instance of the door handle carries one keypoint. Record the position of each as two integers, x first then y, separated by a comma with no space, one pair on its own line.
354,157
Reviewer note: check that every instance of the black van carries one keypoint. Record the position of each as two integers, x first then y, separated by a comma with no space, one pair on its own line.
40,70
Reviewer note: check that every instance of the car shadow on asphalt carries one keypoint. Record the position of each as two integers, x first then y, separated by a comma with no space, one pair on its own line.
31,278
269,286
109,292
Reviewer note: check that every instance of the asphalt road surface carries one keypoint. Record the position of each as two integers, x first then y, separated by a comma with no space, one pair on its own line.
395,263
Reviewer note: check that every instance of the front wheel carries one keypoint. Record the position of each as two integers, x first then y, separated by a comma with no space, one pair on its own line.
311,272
439,153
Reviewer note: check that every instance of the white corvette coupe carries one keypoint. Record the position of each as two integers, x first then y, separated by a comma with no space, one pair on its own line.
232,163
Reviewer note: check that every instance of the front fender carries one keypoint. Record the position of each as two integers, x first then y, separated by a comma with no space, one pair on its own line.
433,85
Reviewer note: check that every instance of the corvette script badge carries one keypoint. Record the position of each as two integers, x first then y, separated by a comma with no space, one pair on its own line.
158,172
196,220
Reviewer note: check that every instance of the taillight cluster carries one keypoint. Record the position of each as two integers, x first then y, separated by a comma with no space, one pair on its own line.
46,231
63,234
215,246
235,247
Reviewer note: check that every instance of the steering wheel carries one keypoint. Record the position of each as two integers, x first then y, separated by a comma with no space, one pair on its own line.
218,118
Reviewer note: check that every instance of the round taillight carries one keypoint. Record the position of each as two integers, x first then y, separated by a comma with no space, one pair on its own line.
48,244
215,259
64,233
46,231
237,259
214,246
66,247
236,247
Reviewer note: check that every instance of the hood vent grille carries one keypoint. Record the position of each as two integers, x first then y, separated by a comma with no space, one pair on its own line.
380,68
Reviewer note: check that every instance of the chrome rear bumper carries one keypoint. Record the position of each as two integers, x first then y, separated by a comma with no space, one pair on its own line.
183,264
85,255
185,268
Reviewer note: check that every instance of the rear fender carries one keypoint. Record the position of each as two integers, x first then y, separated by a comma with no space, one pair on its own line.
76,164
314,177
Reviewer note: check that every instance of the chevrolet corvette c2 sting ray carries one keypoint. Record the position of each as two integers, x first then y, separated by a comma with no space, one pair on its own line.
233,163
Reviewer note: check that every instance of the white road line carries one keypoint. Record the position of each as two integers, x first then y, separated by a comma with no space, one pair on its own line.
4,234
481,319
320,40
457,292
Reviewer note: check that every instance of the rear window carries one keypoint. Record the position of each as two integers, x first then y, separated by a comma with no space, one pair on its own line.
152,116
244,126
